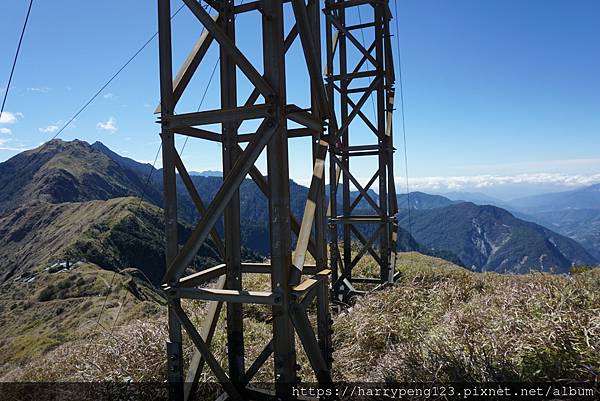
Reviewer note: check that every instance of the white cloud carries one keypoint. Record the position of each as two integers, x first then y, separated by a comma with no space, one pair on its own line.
49,129
108,95
6,131
459,183
109,125
10,118
44,89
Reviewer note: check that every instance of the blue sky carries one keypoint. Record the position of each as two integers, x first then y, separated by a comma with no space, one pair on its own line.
502,96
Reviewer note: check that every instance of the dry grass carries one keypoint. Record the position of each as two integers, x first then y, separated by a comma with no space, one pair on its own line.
131,353
439,323
444,323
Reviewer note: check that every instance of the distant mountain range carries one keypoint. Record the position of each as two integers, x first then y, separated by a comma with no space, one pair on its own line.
72,200
575,214
488,238
207,173
70,172
423,201
79,200
478,198
582,198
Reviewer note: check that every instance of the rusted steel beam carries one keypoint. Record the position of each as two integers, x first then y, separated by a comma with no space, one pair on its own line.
226,115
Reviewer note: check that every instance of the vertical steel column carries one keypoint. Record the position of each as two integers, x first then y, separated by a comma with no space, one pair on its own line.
323,305
314,12
279,202
384,160
174,345
343,63
235,321
331,43
366,219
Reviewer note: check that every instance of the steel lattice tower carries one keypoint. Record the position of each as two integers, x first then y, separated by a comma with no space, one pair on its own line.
293,285
360,76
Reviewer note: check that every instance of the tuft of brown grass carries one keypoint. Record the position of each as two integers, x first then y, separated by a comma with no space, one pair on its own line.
133,352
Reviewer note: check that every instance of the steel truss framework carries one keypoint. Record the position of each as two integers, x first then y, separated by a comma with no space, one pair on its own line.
356,72
293,285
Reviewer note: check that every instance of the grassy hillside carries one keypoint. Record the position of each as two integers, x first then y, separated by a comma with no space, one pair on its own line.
114,234
59,307
440,322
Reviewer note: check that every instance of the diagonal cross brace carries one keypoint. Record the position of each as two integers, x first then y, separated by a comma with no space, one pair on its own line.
207,333
203,348
189,67
230,184
353,105
299,254
367,187
259,362
366,247
359,105
354,41
191,188
363,240
309,341
228,45
357,185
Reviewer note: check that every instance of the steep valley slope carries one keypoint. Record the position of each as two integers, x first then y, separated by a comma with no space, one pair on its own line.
488,238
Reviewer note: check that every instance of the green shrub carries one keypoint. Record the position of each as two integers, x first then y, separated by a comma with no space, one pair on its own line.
66,283
579,269
47,294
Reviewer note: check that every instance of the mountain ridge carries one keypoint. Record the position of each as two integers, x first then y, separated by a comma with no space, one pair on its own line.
582,198
95,172
113,234
60,171
488,238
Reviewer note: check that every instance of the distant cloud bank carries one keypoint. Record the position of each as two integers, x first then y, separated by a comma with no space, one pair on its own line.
458,183
501,185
